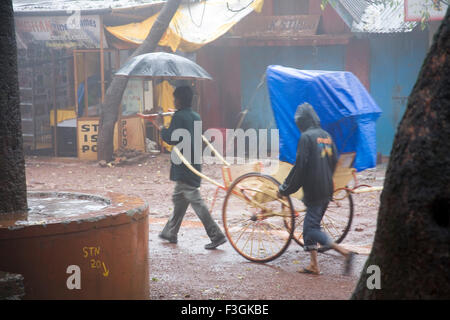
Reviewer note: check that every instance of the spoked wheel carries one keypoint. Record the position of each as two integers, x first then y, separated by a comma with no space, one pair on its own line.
336,221
253,217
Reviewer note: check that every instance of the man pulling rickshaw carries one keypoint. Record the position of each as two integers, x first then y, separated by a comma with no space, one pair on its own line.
313,171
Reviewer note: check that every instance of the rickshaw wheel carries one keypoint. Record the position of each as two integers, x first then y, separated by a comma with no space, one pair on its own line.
336,221
253,217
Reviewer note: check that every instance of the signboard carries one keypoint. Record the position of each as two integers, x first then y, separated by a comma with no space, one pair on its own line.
132,136
60,31
277,26
415,9
132,133
87,133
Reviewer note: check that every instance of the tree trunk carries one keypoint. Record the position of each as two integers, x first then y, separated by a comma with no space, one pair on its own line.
13,189
412,240
113,97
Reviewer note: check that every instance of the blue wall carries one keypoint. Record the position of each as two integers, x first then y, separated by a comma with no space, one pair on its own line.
254,61
395,62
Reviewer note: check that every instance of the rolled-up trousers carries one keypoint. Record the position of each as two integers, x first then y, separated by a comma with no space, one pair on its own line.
312,231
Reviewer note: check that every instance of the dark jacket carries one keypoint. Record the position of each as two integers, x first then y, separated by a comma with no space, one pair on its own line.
184,119
315,160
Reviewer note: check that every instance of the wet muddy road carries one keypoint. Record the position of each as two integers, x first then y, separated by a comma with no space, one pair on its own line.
186,270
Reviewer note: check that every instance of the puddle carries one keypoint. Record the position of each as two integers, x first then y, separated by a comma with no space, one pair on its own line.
45,207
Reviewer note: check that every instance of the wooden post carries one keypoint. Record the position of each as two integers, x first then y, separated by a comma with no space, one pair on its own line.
119,127
86,106
69,66
143,96
143,108
119,121
75,81
75,84
55,108
156,134
102,60
117,59
33,71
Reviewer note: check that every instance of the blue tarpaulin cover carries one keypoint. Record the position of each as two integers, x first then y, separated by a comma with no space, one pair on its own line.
345,108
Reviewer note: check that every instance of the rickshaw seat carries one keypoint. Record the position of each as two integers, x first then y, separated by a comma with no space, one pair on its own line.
281,174
230,173
344,170
342,175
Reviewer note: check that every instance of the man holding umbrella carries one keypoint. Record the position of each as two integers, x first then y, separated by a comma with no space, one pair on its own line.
163,65
187,183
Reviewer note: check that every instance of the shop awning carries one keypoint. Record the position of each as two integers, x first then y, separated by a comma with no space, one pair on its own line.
193,25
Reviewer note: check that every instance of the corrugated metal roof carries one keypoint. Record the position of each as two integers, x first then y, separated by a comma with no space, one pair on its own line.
70,5
355,8
369,17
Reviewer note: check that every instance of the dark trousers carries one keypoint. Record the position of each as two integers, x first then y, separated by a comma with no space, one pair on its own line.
184,195
312,231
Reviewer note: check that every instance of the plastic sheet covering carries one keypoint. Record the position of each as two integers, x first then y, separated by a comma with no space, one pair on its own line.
193,25
345,108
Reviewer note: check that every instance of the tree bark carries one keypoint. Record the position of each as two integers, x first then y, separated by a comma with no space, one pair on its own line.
13,190
412,240
113,97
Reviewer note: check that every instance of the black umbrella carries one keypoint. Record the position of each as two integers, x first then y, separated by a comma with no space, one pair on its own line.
162,65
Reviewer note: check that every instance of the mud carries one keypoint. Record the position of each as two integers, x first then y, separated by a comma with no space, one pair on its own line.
186,270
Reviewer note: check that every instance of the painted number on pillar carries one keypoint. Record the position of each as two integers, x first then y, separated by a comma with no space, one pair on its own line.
92,253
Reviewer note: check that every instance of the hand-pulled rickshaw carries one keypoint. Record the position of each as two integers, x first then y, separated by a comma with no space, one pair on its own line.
258,223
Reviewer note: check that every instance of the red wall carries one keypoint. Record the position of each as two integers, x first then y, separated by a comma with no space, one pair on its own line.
331,21
358,60
220,98
358,51
267,9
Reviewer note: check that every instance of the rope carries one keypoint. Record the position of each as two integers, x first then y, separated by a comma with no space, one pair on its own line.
239,10
203,14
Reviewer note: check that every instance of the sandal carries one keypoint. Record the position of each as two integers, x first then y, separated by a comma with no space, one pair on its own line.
307,271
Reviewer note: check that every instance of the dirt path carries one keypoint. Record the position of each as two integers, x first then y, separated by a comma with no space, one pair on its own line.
186,270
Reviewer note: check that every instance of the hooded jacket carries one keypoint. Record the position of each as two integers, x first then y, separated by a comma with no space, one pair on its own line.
315,160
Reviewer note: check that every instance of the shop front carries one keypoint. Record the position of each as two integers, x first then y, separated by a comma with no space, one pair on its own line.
64,72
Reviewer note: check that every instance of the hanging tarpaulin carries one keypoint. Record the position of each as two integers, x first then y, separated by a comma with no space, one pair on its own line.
193,25
345,108
58,32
